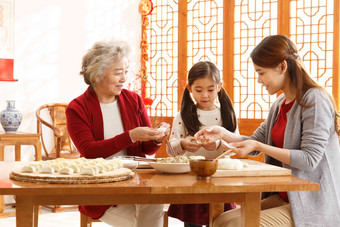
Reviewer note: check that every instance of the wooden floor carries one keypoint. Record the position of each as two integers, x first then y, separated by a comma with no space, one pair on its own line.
65,219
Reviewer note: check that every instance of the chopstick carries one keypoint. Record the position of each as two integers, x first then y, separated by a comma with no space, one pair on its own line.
224,153
170,148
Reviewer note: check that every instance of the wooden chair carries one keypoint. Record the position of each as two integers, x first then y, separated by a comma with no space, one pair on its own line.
63,147
86,221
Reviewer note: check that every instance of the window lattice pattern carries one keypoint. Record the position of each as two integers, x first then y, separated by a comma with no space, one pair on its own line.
205,32
311,28
162,69
252,24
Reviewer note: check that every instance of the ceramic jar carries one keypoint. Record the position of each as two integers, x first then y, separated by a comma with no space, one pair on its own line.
10,117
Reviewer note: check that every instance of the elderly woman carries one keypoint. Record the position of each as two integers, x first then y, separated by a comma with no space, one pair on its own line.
107,121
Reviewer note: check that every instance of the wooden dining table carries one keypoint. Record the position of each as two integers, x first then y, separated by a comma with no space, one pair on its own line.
150,187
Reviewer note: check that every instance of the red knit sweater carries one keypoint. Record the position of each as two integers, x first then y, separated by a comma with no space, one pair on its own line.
278,133
85,126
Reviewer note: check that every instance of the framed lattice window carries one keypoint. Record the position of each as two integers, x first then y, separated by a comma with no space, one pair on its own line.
225,32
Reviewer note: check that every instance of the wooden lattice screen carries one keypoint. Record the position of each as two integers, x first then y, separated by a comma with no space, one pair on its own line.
225,32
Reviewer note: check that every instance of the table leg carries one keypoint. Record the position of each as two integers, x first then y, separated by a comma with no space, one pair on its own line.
2,203
215,209
24,211
250,209
2,152
17,153
36,215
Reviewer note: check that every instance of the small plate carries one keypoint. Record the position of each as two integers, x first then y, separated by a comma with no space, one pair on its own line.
171,167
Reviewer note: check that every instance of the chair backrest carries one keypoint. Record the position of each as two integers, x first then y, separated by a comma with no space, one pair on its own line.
62,140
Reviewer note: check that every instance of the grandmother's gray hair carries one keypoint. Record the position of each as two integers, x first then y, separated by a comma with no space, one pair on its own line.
100,57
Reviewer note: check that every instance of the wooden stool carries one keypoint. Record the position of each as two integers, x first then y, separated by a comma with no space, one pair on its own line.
18,139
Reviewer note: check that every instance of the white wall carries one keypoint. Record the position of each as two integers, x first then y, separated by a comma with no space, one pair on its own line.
50,39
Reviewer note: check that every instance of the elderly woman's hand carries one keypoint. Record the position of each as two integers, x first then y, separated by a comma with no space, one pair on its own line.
165,128
145,134
158,134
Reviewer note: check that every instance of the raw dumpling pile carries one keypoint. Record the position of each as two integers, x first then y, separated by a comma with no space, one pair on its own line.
82,166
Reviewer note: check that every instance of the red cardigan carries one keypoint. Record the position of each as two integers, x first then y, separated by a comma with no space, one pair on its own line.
85,126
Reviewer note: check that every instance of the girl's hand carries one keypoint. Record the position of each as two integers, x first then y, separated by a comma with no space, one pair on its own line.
165,128
210,146
245,147
209,134
145,134
190,144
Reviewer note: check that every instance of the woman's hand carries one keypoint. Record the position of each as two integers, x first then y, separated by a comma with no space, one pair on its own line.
245,147
190,144
209,134
209,146
145,134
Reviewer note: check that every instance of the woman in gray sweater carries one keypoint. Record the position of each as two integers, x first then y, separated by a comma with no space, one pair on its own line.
300,133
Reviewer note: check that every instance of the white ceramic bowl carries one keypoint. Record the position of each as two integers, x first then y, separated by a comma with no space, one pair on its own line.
130,164
171,167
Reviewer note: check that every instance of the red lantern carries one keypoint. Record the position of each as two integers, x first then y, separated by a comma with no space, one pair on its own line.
147,101
145,7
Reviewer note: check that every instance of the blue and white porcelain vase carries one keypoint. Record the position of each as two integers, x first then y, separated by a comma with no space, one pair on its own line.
10,118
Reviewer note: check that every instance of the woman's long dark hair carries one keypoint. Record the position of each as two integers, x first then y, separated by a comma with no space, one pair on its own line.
188,108
273,50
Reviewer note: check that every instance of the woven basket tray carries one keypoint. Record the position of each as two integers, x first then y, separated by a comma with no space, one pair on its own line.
57,178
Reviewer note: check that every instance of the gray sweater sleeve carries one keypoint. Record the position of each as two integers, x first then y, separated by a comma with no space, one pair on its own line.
317,123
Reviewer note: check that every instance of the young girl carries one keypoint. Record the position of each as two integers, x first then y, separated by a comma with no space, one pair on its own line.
204,83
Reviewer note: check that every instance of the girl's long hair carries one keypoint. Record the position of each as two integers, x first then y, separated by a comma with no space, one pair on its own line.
188,108
273,50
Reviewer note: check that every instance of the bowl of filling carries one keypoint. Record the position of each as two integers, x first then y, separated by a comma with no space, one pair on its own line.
203,168
179,164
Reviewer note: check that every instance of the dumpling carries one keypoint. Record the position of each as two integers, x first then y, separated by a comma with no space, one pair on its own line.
67,170
56,166
95,168
161,129
87,171
28,169
113,165
37,166
100,160
101,168
107,167
75,168
118,161
46,169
